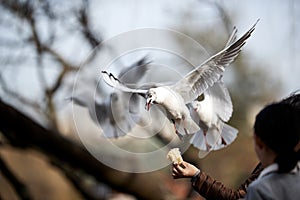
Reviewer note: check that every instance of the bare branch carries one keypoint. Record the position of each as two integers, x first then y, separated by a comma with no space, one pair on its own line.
86,30
20,188
77,181
29,134
20,9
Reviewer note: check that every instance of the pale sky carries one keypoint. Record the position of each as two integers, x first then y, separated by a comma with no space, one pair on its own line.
276,40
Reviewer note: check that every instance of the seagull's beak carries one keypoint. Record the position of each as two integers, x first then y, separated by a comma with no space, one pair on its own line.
148,104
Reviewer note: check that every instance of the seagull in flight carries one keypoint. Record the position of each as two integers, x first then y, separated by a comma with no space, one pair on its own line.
112,111
173,99
211,114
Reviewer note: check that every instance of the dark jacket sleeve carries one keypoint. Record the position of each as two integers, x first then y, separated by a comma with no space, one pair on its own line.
210,189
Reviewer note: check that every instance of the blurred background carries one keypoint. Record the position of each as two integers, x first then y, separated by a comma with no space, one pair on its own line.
49,147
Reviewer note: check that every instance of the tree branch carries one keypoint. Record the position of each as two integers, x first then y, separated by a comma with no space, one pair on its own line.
20,188
28,134
77,182
86,30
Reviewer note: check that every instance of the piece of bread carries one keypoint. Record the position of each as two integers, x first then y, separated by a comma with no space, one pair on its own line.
175,156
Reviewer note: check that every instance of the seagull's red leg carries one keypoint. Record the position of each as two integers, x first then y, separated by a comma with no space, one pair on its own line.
185,130
208,147
176,131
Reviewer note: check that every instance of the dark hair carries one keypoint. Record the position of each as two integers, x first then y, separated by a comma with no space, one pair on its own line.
293,100
278,127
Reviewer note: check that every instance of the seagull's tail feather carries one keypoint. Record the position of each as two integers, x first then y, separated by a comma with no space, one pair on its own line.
213,139
186,126
229,134
198,141
190,126
218,141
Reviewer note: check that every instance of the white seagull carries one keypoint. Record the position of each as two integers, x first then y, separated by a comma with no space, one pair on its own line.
173,99
211,114
112,111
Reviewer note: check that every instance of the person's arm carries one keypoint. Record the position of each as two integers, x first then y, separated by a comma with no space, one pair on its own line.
208,187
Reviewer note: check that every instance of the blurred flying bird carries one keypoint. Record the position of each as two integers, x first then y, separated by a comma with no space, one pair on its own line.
117,112
172,99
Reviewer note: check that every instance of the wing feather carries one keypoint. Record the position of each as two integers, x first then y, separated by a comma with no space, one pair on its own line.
221,101
136,71
205,75
114,82
232,37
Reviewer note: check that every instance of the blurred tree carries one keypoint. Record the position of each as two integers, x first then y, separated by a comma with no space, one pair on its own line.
32,36
42,46
37,39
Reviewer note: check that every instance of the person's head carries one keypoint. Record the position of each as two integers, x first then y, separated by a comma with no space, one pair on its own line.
277,134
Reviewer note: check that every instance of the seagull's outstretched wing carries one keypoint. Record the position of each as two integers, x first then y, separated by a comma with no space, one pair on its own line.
205,75
218,93
220,98
135,72
114,82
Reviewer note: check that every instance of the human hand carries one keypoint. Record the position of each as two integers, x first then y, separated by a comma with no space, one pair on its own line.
183,170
